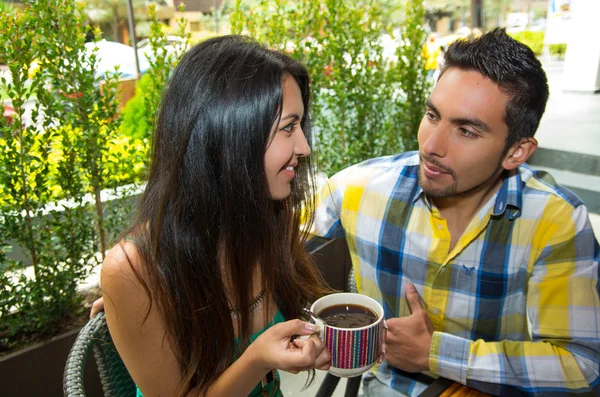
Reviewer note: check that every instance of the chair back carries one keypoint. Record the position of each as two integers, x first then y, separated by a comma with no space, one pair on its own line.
116,381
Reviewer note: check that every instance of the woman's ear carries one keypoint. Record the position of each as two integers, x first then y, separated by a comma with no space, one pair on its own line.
519,153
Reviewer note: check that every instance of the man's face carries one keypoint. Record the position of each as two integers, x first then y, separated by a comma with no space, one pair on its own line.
462,135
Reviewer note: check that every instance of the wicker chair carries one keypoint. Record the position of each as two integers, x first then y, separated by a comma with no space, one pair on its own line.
114,377
116,381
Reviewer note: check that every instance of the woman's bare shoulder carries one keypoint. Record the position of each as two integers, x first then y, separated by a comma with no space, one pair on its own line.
123,278
122,261
134,321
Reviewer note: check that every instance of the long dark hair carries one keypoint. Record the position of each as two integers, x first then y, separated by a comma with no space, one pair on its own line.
206,215
516,70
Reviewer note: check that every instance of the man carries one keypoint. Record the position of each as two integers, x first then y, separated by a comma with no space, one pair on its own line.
487,270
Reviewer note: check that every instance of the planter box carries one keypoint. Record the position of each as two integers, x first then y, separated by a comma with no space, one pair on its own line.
38,370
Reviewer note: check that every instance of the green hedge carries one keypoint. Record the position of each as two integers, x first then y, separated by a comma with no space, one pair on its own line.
534,40
59,155
365,105
557,50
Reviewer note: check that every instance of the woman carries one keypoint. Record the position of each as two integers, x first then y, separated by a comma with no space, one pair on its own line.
197,292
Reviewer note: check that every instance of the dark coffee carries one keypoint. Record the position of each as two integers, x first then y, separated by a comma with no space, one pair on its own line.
348,316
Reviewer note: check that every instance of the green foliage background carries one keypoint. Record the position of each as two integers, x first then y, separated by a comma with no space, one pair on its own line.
364,104
534,40
58,155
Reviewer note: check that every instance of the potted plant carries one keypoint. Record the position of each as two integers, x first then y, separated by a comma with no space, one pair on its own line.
59,151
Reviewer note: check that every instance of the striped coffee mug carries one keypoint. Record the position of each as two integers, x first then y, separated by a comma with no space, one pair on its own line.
353,350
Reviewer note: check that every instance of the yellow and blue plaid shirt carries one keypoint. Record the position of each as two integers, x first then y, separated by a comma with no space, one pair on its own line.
515,304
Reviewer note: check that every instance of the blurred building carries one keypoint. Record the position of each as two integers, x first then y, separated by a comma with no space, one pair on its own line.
15,3
200,15
447,17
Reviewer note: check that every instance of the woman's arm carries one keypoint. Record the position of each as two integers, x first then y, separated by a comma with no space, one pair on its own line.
146,352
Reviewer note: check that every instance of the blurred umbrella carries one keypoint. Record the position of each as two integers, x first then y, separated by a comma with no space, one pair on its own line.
111,54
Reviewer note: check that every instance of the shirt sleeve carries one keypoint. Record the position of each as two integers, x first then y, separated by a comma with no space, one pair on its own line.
327,222
563,311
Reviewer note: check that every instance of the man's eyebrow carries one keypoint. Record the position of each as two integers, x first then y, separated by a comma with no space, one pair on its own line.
430,105
461,120
480,125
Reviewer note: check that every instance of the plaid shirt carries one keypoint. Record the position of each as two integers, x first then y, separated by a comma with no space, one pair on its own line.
515,304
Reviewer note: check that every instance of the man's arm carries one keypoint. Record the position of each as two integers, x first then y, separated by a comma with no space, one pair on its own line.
563,309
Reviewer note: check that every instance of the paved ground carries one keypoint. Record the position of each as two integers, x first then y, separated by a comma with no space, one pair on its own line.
571,123
572,119
292,385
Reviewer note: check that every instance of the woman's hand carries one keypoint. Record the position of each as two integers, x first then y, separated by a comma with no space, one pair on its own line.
274,349
323,357
97,307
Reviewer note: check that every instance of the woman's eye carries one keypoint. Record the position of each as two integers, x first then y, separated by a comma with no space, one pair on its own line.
288,128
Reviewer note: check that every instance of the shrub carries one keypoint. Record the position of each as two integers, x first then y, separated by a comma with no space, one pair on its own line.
135,122
364,104
534,40
56,160
59,242
557,50
162,63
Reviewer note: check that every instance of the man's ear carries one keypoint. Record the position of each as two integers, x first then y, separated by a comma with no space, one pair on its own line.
519,153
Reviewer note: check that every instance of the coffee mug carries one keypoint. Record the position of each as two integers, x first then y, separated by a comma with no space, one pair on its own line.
353,350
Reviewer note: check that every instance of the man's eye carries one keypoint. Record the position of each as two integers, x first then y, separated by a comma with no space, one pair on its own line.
466,133
430,116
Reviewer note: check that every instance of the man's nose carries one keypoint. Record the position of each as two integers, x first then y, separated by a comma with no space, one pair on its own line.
436,143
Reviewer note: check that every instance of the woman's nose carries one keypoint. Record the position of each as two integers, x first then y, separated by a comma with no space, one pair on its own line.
302,148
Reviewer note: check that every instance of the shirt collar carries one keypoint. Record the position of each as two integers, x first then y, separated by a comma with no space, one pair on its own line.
420,194
510,196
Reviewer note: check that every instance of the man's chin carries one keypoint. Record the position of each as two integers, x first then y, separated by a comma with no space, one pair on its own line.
439,194
437,191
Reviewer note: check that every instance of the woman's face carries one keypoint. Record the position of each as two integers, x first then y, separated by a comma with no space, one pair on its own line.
287,144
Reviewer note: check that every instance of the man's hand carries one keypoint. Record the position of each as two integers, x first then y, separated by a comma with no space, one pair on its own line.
409,338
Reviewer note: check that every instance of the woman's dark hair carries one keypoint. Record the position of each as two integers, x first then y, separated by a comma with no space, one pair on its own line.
516,70
206,220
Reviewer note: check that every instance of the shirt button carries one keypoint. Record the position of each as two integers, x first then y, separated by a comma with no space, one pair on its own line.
440,227
442,269
435,310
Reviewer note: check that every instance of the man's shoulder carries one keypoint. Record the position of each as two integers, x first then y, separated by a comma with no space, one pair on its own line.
381,170
390,164
540,183
386,176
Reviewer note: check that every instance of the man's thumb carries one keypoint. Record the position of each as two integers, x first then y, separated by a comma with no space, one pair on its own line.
413,298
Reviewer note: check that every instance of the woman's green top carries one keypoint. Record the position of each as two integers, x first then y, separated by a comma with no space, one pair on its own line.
257,392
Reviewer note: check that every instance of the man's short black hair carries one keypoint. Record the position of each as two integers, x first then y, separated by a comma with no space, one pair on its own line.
516,70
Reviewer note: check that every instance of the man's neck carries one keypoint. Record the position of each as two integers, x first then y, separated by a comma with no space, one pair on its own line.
459,210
